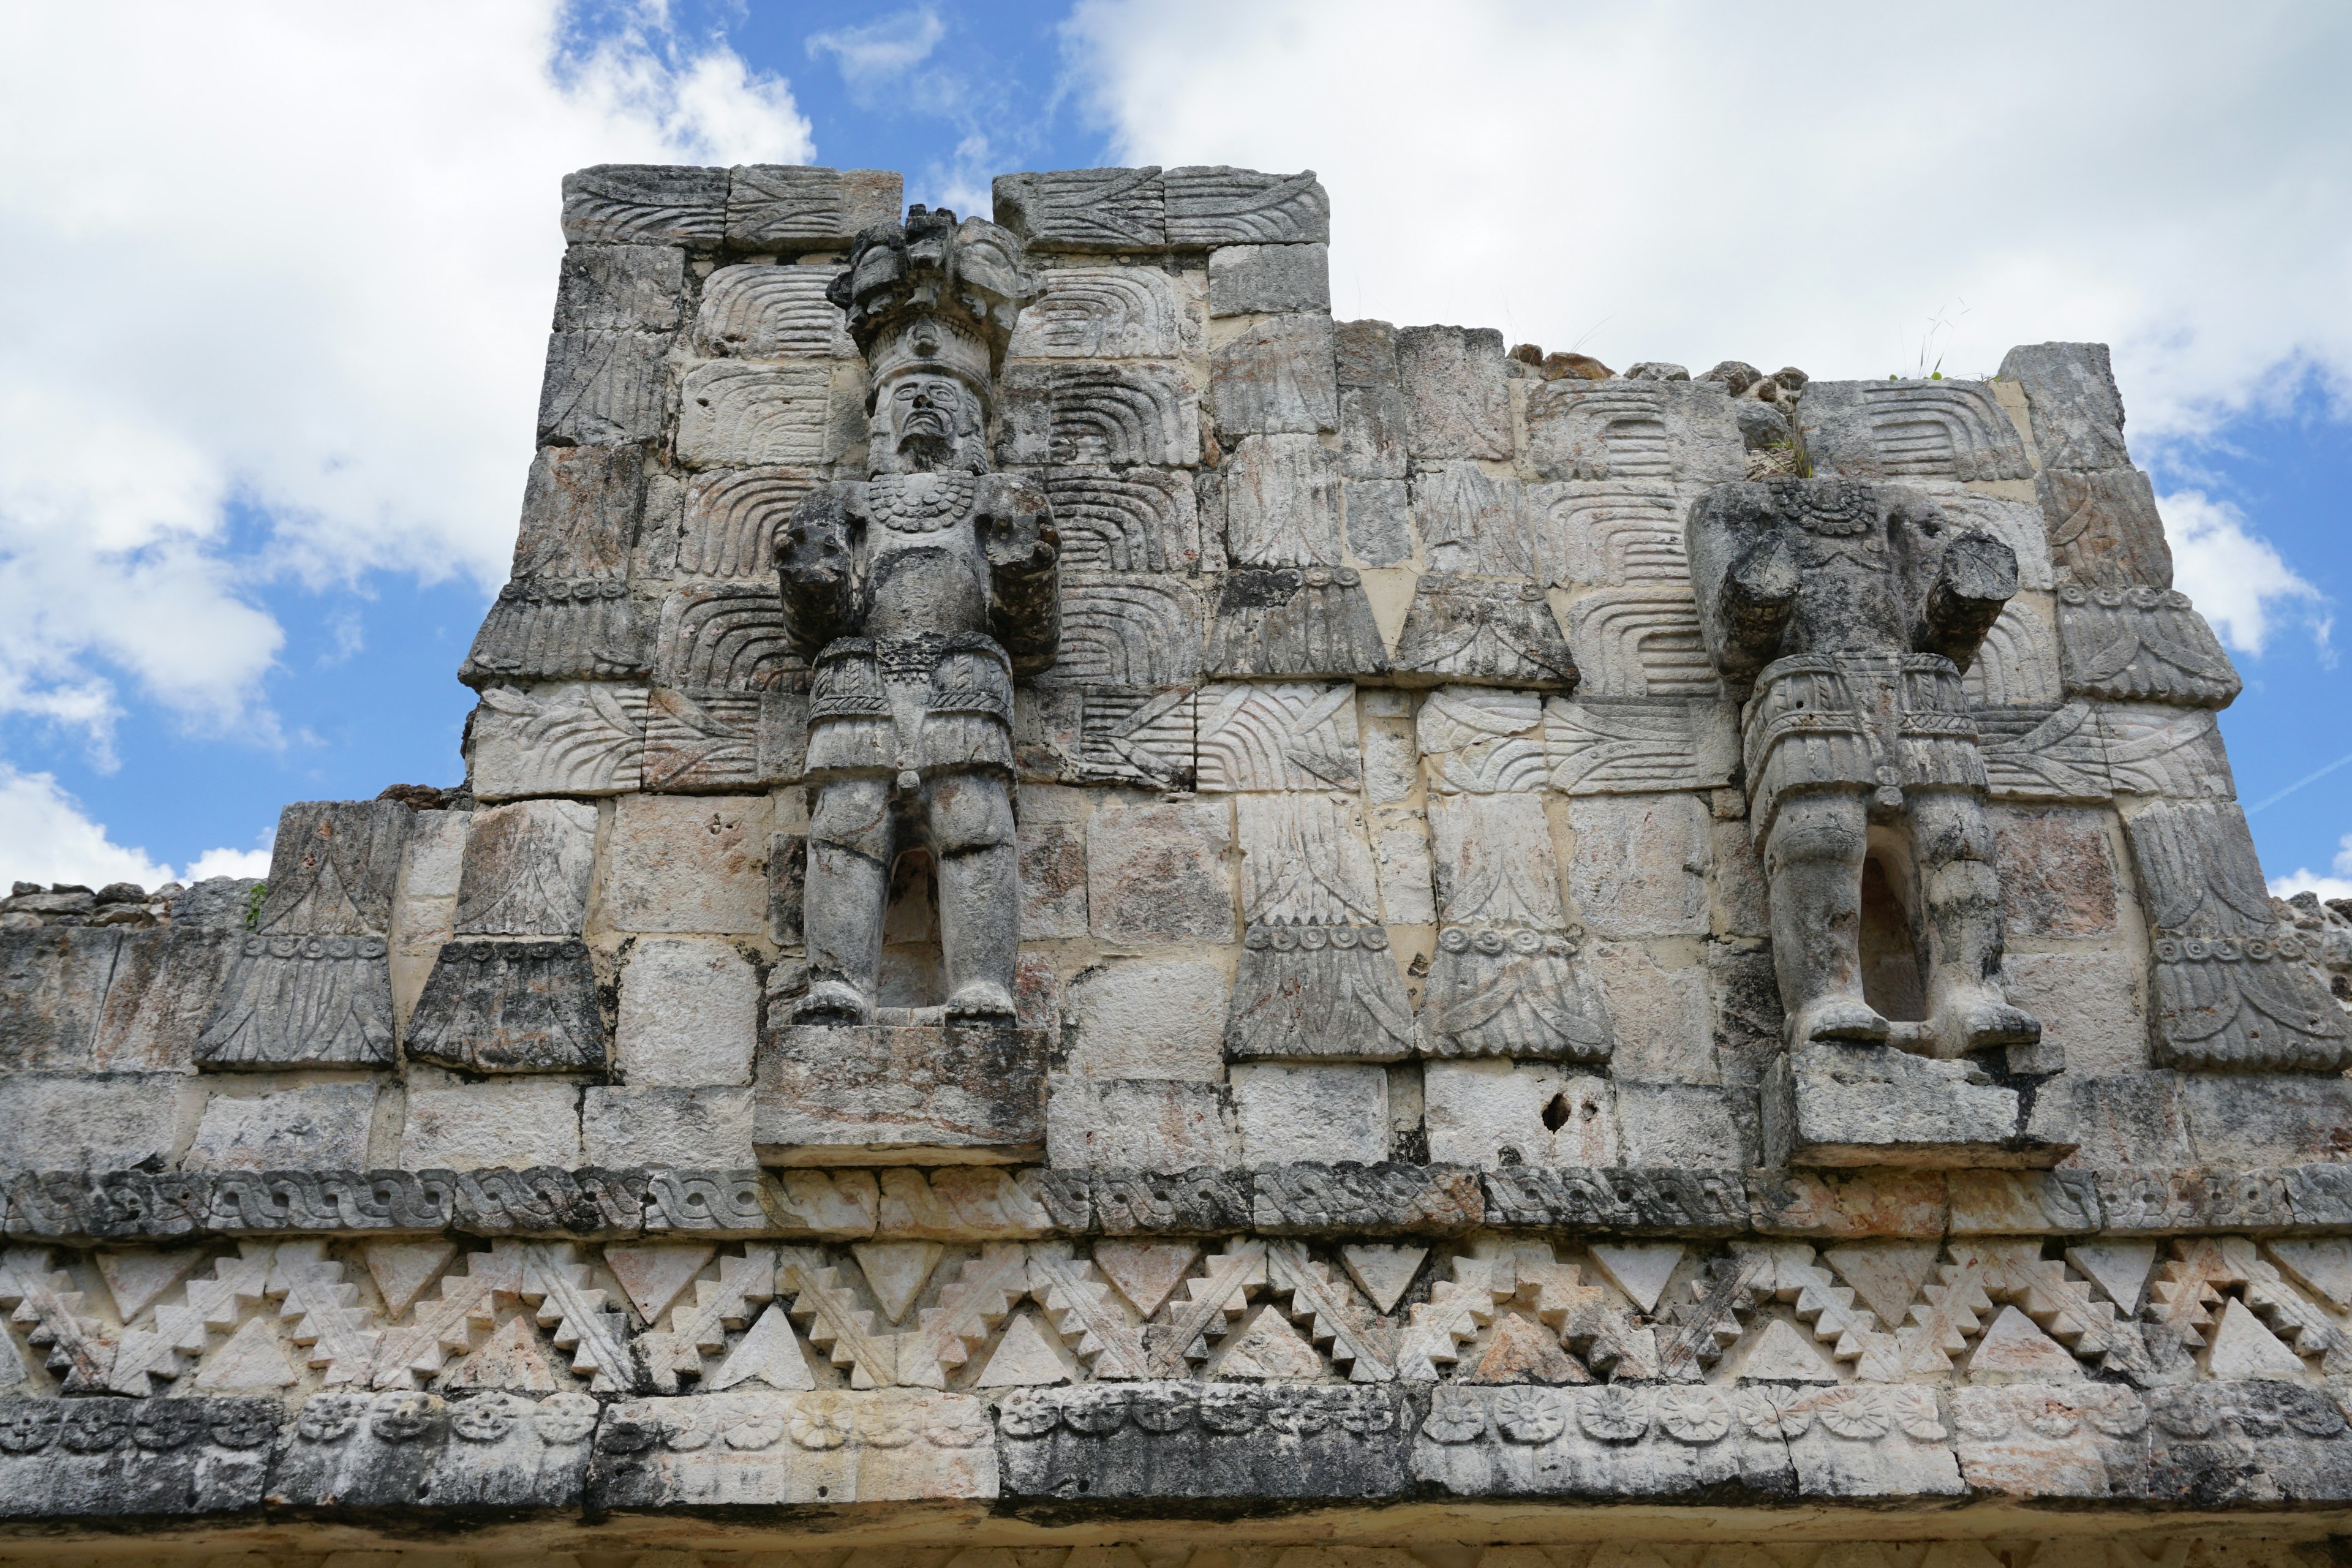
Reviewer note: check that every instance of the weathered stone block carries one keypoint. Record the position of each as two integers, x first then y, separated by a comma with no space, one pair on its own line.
1097,412
881,1094
2116,1120
1113,312
161,994
1156,871
1909,430
1248,279
1641,864
2141,645
747,415
685,864
645,204
690,1014
1156,1440
398,1450
51,1121
1288,621
217,903
1482,629
1276,502
1275,374
1458,401
2092,1004
581,508
1686,1126
527,868
1211,205
1649,430
708,1129
771,313
295,999
1380,518
1139,1124
510,1006
2070,395
2211,1445
317,1127
1142,1018
791,206
2104,528
129,1459
831,1448
1514,993
1129,519
1659,1016
2057,873
1621,1440
619,288
516,1122
571,739
1707,1201
542,629
1830,1104
53,982
1493,1114
603,387
1326,1113
1085,209
2236,1122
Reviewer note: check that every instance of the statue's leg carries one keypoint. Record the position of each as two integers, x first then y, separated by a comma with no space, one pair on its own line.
969,817
1960,888
850,846
1812,867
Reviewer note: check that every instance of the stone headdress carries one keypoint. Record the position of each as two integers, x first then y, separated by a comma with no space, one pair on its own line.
934,294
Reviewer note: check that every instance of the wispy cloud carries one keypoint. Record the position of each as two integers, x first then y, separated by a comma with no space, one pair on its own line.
2235,576
881,52
2301,880
46,837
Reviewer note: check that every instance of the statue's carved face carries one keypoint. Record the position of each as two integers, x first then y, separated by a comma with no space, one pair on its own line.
926,420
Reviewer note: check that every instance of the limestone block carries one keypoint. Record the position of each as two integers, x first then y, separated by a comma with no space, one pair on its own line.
1275,373
1133,411
1639,643
1156,871
1306,860
2116,1120
1212,205
788,207
1514,993
1053,850
1250,280
1392,757
1737,882
716,637
619,288
334,868
1277,501
2075,411
2231,1443
569,740
771,313
217,903
1744,1001
1125,520
53,982
509,1006
890,1094
829,1447
1472,522
2141,645
1139,1124
708,1129
645,203
1278,737
1910,430
542,629
161,994
1621,1440
1408,885
85,1458
1490,1114
581,508
492,1449
2103,529
690,1015
51,1121
678,864
1686,1126
1147,1018
720,741
1457,403
2023,1203
1481,629
1150,1441
2017,666
1480,741
526,869
2198,869
1380,516
2057,873
2236,1122
1608,746
296,998
317,1127
1610,533
1085,209
1318,992
514,1122
1289,621
1684,431
1495,862
1319,1112
1659,1012
2047,752
732,519
603,387
735,414
1835,1104
1373,414
1641,864
1112,312
1134,631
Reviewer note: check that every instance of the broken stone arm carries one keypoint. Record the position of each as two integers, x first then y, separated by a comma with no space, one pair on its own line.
1016,531
816,565
1977,575
1754,602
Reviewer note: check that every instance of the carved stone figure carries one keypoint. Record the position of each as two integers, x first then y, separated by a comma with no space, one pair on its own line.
1854,611
919,592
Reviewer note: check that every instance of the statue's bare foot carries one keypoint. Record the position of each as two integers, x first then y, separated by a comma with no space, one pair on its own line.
981,1001
1973,1020
1836,1018
833,1004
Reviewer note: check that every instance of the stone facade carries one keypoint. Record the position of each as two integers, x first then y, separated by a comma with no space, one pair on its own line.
1384,778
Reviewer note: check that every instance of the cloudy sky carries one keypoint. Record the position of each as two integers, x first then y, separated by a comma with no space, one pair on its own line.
275,281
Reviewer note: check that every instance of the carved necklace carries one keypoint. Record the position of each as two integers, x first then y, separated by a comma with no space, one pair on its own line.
921,503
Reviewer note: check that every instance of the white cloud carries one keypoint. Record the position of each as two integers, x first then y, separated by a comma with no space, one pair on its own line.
294,260
1808,184
2238,580
881,51
2301,880
46,837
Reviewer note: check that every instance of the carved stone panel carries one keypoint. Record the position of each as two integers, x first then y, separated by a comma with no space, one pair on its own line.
2076,414
551,629
1484,629
128,1459
725,636
579,511
645,203
510,1006
1910,429
883,1094
603,387
2141,645
1279,737
732,517
1157,1439
563,739
791,206
2103,529
1646,430
1112,312
769,312
823,1448
734,414
1290,622
486,1449
1127,412
526,869
1085,209
1212,206
1125,520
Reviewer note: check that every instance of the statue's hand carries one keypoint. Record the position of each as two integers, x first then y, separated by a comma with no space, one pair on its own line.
1016,528
813,551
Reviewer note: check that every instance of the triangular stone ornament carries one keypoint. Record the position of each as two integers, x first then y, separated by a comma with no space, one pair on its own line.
1383,1272
1886,1275
402,1269
2118,1267
1145,1271
896,1271
135,1278
2244,1347
1026,1357
2323,1267
654,1276
252,1358
1268,1347
510,1358
2014,1348
1523,1351
771,1353
1640,1271
1782,1354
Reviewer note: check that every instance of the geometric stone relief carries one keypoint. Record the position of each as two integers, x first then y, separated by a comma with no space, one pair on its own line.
2141,645
1495,862
1611,534
2045,751
1085,209
1276,503
1605,746
1479,629
1213,204
509,1006
1471,521
526,869
1127,412
645,203
1640,642
1306,860
1141,631
563,739
1112,312
2197,871
769,312
732,517
796,208
540,629
719,740
2103,528
1125,520
2017,664
2017,525
734,415
1481,741
1284,621
1278,737
1681,431
1915,430
2165,750
725,636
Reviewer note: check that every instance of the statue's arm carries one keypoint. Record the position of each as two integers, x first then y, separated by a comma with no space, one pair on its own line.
816,566
1977,575
1743,575
1024,590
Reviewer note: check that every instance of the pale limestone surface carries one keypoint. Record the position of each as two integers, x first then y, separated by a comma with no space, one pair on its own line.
322,1126
517,1123
1321,1113
705,1128
1143,1018
1147,1124
689,1012
689,864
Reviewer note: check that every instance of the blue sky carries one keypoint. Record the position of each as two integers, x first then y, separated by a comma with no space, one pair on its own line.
265,470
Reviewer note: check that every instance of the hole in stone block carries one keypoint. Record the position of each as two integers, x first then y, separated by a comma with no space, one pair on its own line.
911,973
1557,1114
1890,948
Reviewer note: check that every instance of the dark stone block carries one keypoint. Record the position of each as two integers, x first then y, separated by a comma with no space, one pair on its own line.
1704,1200
117,1458
1422,1199
1102,1442
1199,1202
510,1006
405,1450
2220,1443
52,983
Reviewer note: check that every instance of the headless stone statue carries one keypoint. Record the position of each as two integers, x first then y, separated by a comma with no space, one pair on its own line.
1853,611
918,593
